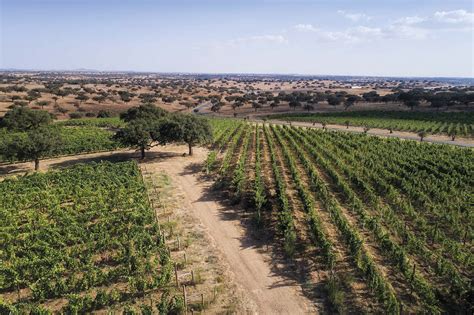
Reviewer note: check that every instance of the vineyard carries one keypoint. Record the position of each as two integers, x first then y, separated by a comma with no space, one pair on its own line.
80,240
453,124
74,140
112,122
385,223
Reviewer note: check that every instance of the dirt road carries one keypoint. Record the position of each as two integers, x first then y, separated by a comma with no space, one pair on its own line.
264,291
269,292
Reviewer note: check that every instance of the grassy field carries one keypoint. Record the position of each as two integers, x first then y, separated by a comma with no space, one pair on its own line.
384,222
460,124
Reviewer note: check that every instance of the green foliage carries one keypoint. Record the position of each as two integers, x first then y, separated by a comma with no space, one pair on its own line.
335,295
434,123
144,111
405,203
72,232
112,122
24,119
74,140
210,163
194,130
148,124
104,114
139,133
37,144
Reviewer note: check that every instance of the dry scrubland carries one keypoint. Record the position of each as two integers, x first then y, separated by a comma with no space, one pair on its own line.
85,94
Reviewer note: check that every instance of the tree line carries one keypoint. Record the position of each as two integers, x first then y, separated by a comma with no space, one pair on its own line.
35,136
148,126
309,99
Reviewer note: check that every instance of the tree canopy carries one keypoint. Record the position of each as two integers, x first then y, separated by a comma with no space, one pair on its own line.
138,133
194,130
144,111
38,143
22,118
149,126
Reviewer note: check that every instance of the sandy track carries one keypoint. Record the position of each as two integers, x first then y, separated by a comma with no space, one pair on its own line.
264,291
270,293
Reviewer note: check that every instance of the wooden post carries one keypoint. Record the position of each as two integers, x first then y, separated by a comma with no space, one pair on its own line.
176,275
185,258
202,300
215,293
192,276
185,299
413,272
179,243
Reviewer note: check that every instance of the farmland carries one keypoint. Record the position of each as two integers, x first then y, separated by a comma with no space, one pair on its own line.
79,248
236,157
345,222
386,223
376,224
453,124
80,138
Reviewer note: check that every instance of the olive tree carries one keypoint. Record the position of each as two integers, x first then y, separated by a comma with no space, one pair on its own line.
24,119
35,145
194,130
144,134
144,111
137,133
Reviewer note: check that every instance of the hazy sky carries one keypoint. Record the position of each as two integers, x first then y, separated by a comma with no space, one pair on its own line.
354,37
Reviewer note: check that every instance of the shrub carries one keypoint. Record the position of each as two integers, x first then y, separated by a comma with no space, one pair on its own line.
76,115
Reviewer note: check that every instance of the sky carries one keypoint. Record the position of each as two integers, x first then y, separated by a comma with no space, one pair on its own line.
316,37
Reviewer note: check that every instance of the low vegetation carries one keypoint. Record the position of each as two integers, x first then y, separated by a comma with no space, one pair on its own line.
81,240
452,124
387,216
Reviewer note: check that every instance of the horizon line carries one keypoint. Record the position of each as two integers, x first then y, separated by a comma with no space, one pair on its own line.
232,73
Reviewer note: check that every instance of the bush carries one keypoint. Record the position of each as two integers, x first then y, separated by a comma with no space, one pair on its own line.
104,114
76,115
90,114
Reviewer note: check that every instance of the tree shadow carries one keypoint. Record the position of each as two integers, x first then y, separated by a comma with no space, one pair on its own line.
12,169
113,157
68,161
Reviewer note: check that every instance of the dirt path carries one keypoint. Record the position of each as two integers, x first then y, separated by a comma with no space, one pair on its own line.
263,289
271,293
